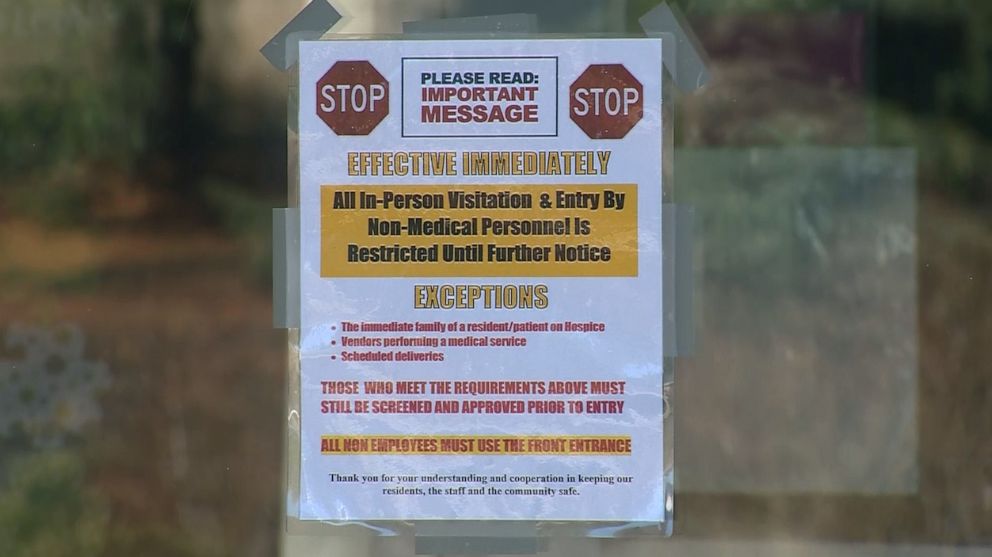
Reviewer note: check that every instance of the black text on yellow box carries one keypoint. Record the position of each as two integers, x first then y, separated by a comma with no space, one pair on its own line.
612,228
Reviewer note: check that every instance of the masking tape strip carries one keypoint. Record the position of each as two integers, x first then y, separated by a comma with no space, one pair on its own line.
286,268
282,50
687,65
678,224
478,538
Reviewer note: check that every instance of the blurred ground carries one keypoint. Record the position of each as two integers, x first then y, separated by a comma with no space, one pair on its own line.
189,443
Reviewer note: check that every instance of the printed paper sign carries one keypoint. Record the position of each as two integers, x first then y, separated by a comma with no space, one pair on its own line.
481,280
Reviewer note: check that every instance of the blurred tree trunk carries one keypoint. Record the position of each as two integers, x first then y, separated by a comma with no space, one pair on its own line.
178,126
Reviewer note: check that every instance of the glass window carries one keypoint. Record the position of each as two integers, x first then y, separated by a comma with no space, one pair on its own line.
837,398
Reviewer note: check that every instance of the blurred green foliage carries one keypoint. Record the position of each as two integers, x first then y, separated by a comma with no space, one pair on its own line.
93,80
92,83
77,83
46,509
57,201
928,77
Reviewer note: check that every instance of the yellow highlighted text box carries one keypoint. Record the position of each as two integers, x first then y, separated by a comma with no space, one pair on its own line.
567,445
611,228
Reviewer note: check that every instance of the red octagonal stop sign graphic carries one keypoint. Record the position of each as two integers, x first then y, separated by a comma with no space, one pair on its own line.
606,101
352,98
